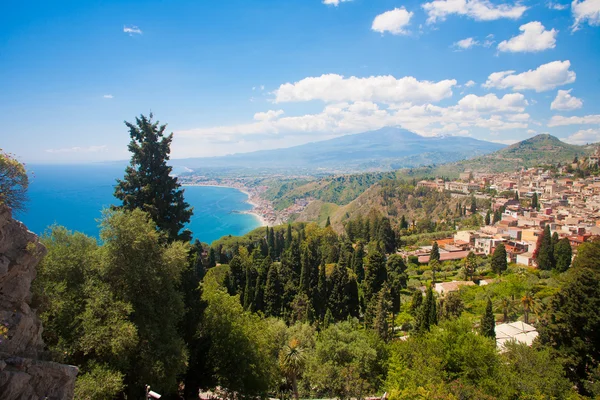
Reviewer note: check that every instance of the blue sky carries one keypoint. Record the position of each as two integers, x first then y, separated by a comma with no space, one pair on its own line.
234,76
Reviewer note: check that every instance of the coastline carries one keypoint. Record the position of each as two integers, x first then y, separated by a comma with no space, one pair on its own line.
253,212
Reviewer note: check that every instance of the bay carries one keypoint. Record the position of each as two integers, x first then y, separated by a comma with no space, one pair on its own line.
75,195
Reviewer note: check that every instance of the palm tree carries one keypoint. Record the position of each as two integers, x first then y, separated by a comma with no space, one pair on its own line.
508,307
292,361
528,303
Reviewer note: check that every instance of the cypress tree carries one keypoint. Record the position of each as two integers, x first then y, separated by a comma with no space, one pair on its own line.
249,290
562,255
320,304
403,223
273,293
338,300
545,252
488,217
473,205
427,313
288,236
357,262
148,184
488,322
435,253
375,274
259,293
387,236
534,201
328,222
212,259
396,278
416,302
236,276
382,312
271,241
499,263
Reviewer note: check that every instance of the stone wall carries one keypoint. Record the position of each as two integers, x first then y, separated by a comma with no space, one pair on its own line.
22,374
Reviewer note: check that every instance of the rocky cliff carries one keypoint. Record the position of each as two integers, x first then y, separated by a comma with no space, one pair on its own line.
23,375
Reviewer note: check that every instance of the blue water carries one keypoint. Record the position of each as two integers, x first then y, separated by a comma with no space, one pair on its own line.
74,196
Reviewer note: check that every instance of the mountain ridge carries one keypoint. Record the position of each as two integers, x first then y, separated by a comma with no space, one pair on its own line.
384,149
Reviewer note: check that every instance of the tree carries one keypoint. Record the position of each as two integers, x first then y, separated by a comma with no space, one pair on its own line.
347,362
148,184
435,267
451,362
357,262
382,312
470,265
544,253
288,236
435,253
212,259
292,361
328,222
571,324
473,208
375,274
488,218
499,263
527,302
488,321
516,195
562,255
13,182
386,236
497,216
452,306
416,302
273,292
242,351
427,314
396,278
84,322
534,201
142,269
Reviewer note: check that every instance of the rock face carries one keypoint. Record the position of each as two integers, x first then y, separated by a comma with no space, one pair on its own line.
22,374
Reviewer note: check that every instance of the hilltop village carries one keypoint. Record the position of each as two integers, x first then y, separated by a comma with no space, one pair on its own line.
537,197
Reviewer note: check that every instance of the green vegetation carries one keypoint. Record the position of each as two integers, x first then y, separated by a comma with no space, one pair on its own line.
147,184
302,311
13,182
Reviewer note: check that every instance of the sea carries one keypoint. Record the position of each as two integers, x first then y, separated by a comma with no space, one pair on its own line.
75,195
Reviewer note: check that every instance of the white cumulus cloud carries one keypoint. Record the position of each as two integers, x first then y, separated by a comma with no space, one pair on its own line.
513,102
267,116
564,101
107,96
559,120
470,83
385,89
586,10
479,10
394,21
132,30
545,77
466,43
584,137
534,38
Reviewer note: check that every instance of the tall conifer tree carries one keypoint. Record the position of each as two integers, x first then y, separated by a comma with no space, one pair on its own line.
148,184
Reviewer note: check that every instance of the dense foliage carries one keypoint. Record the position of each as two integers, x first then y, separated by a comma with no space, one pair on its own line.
13,182
148,185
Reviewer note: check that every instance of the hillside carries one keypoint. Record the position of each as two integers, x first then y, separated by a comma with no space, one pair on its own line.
351,195
381,150
537,150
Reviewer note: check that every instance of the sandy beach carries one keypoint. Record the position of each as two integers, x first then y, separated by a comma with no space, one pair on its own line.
254,212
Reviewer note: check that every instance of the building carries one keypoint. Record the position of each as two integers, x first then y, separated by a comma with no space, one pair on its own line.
447,287
515,331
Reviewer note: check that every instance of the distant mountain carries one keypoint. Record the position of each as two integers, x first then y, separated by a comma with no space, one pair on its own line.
381,150
538,150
